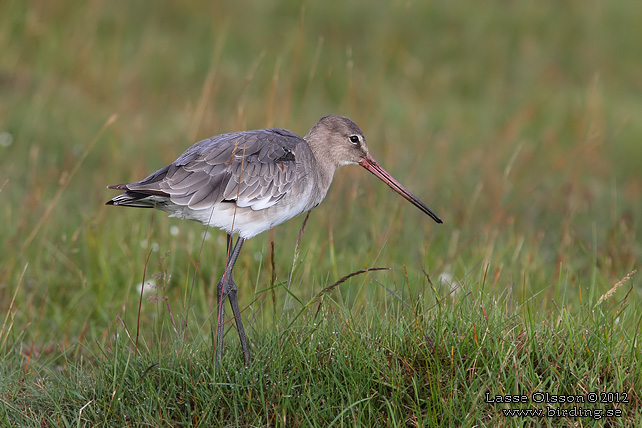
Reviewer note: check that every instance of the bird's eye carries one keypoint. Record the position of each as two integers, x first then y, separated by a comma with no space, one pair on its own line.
354,139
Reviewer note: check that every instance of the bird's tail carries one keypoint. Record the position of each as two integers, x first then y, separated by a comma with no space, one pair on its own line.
134,199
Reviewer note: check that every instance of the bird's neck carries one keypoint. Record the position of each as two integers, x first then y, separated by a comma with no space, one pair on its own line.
324,170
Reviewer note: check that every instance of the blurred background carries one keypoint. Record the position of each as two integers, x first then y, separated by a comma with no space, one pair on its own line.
519,123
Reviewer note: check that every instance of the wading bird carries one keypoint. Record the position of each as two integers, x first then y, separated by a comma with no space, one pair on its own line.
248,182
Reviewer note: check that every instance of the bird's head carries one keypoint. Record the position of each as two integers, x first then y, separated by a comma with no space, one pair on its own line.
338,141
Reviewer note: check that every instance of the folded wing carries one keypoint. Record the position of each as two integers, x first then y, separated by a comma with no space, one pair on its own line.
253,169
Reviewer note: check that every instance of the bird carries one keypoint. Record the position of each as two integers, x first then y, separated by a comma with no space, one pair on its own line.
248,182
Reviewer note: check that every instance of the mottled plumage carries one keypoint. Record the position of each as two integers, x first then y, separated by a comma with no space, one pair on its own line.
229,181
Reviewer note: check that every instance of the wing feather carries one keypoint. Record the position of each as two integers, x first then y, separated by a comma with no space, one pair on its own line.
254,168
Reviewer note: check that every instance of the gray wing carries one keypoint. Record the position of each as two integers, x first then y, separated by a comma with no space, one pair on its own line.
253,169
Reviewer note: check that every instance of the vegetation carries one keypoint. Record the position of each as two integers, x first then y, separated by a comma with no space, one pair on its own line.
517,123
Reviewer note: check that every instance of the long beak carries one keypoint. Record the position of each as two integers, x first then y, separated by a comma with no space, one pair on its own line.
371,165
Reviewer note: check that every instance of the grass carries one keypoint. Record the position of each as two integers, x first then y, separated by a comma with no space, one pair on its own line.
399,367
517,123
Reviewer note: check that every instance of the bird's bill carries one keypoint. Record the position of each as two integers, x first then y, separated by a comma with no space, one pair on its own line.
371,165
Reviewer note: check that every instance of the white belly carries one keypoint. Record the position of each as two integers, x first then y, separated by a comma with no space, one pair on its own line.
244,221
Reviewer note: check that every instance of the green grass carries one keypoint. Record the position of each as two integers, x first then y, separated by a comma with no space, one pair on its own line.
518,123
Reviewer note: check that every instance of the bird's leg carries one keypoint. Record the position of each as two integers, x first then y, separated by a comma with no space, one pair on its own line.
226,287
234,303
220,300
